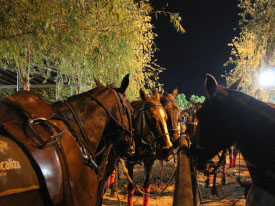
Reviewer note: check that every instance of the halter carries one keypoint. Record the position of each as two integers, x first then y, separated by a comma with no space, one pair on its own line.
144,120
86,146
173,130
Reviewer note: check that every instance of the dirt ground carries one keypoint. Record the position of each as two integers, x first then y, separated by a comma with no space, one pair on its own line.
229,195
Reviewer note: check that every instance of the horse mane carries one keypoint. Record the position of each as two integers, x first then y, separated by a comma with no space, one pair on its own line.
253,104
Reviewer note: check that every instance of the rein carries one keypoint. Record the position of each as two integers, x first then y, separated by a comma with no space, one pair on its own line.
144,122
125,170
87,148
174,130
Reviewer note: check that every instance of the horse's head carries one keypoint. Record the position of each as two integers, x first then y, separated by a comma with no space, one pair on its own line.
172,110
156,117
121,123
212,132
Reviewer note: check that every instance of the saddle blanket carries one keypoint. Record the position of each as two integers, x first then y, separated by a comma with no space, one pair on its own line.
16,172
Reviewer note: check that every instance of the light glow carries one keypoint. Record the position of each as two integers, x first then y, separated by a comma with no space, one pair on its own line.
267,78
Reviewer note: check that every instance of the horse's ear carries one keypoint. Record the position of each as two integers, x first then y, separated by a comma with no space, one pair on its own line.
235,85
158,95
154,91
98,83
142,94
175,92
210,85
166,93
124,84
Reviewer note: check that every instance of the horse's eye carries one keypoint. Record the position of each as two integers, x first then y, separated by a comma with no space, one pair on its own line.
154,121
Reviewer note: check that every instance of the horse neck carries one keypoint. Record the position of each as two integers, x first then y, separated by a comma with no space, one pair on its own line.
253,122
139,122
87,110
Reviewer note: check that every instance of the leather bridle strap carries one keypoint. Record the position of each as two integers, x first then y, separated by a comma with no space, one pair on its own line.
88,145
122,110
143,119
170,100
108,112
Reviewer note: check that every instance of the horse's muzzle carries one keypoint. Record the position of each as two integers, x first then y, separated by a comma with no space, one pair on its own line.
131,151
165,154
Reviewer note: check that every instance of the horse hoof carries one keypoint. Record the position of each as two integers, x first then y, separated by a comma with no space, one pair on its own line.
224,182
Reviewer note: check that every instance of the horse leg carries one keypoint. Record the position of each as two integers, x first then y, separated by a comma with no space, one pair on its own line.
224,182
146,186
111,182
130,187
208,177
234,157
118,173
214,190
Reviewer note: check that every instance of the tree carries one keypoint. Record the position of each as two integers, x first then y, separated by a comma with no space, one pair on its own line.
254,50
197,99
182,101
83,39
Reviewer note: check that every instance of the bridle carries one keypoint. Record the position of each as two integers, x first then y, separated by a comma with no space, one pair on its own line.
173,130
145,121
87,148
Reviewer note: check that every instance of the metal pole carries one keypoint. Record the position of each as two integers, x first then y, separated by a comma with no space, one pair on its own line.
17,80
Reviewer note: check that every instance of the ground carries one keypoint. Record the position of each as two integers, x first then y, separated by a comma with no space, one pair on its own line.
229,195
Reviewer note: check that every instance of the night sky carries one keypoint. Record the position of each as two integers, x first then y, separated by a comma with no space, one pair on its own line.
209,26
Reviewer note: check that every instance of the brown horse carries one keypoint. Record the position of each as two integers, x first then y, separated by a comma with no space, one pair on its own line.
172,110
228,116
67,166
151,138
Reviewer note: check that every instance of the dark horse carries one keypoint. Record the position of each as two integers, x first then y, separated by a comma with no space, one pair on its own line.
151,137
227,117
61,144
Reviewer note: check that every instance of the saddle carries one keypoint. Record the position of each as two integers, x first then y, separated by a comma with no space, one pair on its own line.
25,118
16,172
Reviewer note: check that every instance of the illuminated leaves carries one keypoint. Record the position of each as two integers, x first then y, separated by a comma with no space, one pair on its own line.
254,50
81,38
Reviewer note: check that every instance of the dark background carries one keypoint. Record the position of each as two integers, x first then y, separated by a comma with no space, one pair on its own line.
203,49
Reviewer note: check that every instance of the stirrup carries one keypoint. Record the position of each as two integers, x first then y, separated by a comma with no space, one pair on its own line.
42,143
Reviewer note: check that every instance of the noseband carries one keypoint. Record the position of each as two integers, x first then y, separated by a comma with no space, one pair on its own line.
145,120
173,130
87,148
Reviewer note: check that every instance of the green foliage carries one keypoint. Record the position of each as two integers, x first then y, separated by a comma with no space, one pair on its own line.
49,94
254,50
197,99
6,92
83,39
182,101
